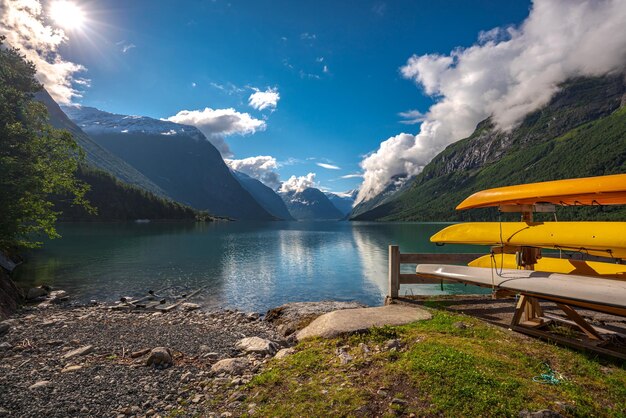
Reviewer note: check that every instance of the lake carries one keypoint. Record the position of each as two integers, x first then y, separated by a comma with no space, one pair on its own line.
243,265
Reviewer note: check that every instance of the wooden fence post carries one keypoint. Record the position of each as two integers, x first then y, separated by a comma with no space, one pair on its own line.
394,271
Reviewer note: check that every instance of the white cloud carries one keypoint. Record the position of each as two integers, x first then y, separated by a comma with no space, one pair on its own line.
125,47
352,176
261,100
298,184
22,24
306,36
193,84
328,166
215,124
261,167
507,74
412,117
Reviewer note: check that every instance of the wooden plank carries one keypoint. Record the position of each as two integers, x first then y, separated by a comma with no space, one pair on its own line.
182,300
434,258
568,341
394,271
580,321
519,310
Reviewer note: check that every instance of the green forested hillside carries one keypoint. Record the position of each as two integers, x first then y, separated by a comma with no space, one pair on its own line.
539,150
117,201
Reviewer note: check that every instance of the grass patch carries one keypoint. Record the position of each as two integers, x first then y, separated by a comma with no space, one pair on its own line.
443,368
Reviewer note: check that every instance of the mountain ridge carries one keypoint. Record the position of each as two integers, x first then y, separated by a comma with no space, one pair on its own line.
534,151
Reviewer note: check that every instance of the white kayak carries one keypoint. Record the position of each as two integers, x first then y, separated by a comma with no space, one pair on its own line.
565,287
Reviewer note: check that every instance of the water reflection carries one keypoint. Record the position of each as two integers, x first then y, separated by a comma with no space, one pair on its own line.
250,266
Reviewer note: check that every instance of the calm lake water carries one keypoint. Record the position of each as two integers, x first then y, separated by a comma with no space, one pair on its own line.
243,265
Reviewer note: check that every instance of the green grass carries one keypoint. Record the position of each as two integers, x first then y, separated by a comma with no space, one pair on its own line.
441,370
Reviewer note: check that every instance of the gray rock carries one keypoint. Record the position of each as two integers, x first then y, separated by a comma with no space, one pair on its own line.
253,316
188,306
296,315
160,358
4,328
460,325
284,353
336,323
40,384
257,345
231,366
36,292
394,344
5,346
543,413
343,355
80,351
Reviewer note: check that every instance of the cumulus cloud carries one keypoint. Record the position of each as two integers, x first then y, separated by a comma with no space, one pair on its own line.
328,166
508,73
24,28
298,184
216,124
412,117
261,100
261,167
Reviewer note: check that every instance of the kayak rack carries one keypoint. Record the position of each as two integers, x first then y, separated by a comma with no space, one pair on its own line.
528,316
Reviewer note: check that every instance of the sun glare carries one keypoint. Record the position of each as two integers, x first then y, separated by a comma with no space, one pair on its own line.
67,14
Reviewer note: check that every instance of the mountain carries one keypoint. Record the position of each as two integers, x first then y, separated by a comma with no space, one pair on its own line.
177,158
343,201
310,204
265,196
118,201
95,155
579,133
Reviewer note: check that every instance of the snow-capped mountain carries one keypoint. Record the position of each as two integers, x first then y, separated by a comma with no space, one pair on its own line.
268,198
310,204
98,122
343,201
177,158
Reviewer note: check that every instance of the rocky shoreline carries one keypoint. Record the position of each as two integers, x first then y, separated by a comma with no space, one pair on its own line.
60,361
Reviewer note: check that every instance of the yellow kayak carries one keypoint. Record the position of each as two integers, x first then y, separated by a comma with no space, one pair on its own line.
601,190
555,265
605,239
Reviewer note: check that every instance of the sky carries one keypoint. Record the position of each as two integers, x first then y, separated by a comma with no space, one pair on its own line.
327,93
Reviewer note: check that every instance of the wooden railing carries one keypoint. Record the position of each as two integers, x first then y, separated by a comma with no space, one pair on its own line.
396,258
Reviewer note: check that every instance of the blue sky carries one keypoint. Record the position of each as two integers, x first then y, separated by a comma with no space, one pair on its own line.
184,51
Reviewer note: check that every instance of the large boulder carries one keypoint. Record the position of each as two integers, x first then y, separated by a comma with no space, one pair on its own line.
294,316
336,323
160,358
231,366
257,345
9,295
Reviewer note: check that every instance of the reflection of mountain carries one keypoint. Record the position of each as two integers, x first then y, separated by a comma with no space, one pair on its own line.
373,239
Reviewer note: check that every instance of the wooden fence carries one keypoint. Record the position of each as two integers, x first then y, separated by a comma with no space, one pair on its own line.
396,259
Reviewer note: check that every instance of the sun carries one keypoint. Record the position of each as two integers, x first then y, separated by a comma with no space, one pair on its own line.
67,14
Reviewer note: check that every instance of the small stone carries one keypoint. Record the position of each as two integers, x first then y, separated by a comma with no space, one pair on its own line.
196,398
40,384
226,414
394,344
382,392
4,328
284,353
231,366
139,353
253,316
460,325
188,306
398,401
68,369
257,345
211,356
5,346
364,348
286,329
160,358
81,351
36,292
185,377
4,412
543,413
344,357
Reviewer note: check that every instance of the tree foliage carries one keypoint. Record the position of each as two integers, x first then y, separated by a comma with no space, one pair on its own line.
37,161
